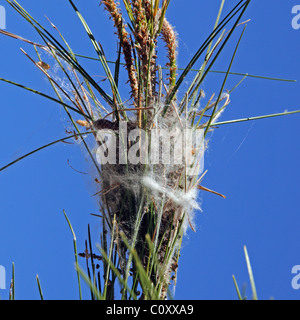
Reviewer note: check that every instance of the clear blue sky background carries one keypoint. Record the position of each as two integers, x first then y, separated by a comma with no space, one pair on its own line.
255,164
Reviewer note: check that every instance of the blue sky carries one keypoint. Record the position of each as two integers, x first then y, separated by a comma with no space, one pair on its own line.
255,164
